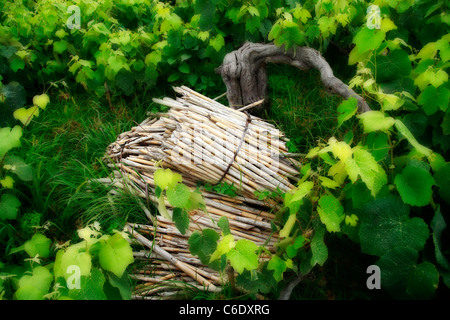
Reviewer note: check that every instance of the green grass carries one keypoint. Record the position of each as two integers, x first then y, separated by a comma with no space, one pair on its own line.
302,109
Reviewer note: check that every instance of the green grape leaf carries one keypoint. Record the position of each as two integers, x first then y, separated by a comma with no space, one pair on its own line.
327,25
138,65
34,287
444,49
292,200
196,201
125,81
178,195
355,56
170,51
8,51
436,161
7,182
15,97
9,205
121,285
347,109
404,278
438,226
217,43
19,167
117,63
435,78
328,183
116,254
414,185
17,64
90,234
359,194
428,51
302,190
291,249
257,281
223,247
402,129
253,23
351,220
91,287
339,172
432,99
363,164
164,178
275,31
416,122
422,281
368,39
378,144
385,224
327,6
59,46
278,266
392,66
61,33
153,58
158,191
9,139
75,255
390,101
395,266
26,115
331,213
253,11
442,179
340,149
38,245
243,256
319,249
290,36
312,32
445,125
302,14
181,219
203,244
224,224
184,68
438,78
206,9
375,120
403,84
192,79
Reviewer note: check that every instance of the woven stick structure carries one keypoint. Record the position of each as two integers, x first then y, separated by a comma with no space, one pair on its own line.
206,142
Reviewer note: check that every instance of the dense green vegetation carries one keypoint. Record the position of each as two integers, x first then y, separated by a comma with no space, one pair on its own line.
373,189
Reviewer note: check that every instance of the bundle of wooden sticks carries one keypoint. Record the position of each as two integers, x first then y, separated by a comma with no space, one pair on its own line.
207,142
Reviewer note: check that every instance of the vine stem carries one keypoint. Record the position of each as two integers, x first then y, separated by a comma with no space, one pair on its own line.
231,279
287,290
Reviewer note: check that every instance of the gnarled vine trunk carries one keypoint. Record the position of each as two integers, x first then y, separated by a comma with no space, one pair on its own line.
245,75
